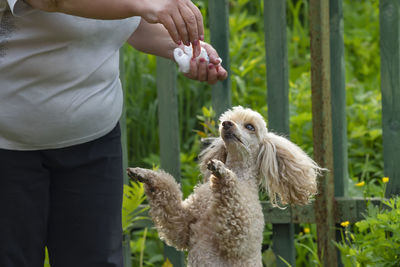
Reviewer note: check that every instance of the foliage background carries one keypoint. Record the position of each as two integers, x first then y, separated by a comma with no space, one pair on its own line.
248,77
374,241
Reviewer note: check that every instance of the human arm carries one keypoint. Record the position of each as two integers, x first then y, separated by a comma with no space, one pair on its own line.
154,39
181,18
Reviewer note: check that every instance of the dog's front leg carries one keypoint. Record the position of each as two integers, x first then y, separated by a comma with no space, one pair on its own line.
170,217
231,212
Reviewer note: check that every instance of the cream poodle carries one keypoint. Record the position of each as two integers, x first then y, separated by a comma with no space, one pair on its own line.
221,223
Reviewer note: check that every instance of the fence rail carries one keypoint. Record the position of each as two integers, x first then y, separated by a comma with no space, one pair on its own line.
328,110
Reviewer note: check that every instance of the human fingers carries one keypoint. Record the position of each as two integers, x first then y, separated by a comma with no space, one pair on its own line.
190,26
181,18
214,58
202,70
212,53
192,74
180,26
170,25
196,49
194,23
222,74
199,21
212,75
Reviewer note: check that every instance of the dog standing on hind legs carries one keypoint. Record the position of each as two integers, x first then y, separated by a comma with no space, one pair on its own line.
221,223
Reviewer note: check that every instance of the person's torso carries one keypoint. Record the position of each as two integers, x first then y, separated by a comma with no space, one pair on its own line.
59,78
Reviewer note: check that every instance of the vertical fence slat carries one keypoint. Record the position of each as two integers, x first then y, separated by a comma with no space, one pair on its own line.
283,244
277,65
219,33
169,133
124,143
338,94
390,86
322,128
278,106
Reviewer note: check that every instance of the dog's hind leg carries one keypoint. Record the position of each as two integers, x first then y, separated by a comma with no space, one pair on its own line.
170,217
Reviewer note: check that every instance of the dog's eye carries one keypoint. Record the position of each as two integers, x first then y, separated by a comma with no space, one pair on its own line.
249,127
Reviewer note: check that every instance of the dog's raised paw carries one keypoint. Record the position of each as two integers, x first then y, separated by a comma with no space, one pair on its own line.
137,174
216,167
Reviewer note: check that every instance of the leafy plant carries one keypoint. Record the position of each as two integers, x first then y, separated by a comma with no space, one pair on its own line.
46,259
132,212
207,120
374,241
146,248
306,247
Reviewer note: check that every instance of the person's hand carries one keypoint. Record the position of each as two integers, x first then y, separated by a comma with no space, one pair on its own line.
181,18
211,72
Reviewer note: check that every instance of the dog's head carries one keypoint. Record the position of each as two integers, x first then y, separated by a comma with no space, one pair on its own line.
281,167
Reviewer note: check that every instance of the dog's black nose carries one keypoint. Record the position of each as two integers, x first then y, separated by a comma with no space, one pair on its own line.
227,124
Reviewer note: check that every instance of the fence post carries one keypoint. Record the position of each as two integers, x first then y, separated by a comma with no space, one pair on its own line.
278,106
338,94
390,87
219,33
169,133
322,129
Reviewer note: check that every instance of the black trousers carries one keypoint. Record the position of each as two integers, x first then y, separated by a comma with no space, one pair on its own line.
67,199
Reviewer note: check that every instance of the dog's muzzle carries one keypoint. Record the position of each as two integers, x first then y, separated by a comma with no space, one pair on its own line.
228,132
227,125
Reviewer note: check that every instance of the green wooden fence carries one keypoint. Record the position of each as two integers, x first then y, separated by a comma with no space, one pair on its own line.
328,110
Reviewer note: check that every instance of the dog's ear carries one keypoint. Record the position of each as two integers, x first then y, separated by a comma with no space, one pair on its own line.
215,150
286,171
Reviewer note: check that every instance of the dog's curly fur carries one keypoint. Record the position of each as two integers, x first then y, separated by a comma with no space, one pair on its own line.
221,222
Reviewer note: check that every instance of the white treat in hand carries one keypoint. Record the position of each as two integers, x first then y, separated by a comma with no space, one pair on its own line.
183,56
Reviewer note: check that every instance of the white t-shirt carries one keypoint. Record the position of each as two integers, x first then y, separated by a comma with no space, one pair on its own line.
59,77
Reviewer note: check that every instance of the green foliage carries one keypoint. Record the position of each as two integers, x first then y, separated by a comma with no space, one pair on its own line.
146,248
247,53
361,38
190,173
364,134
141,105
207,120
46,259
300,112
374,241
306,248
269,258
131,210
298,38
